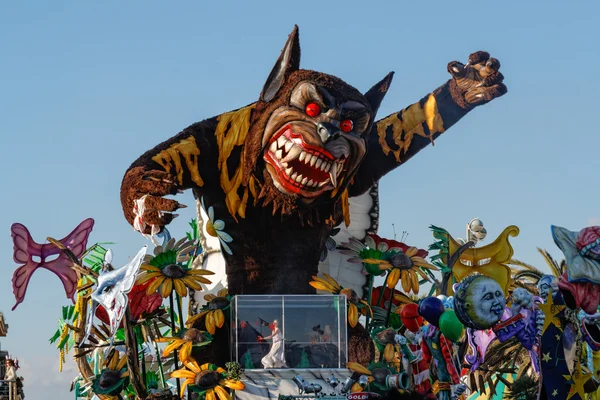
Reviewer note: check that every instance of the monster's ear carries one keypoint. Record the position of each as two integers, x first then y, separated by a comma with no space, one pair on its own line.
288,61
376,94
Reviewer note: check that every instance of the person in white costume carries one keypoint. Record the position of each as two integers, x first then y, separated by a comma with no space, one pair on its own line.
276,356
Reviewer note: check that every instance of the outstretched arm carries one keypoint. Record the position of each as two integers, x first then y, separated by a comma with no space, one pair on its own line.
180,163
394,139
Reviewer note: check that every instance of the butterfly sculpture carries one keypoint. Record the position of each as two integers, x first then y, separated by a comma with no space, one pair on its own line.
111,292
25,249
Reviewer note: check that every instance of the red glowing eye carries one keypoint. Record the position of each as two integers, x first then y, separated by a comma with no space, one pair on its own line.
312,109
346,125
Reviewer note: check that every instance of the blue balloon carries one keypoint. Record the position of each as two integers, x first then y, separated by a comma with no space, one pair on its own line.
431,308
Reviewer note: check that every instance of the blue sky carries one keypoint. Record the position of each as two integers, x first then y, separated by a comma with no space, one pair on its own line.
86,87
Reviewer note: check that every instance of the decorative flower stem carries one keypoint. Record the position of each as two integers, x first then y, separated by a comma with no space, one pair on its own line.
160,366
182,326
383,288
133,357
172,312
389,312
369,294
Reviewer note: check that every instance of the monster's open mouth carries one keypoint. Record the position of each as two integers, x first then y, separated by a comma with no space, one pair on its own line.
302,168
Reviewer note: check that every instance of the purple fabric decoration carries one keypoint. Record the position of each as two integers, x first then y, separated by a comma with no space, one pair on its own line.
25,248
478,341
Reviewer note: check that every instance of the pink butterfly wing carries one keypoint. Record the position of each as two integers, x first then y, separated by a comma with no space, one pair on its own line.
24,249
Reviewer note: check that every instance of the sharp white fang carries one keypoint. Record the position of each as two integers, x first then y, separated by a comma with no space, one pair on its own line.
304,181
288,171
299,178
281,141
288,145
273,147
333,175
311,183
302,156
279,154
319,161
313,160
323,183
326,166
292,154
294,175
284,164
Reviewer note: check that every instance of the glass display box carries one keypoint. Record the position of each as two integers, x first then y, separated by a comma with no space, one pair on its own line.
289,331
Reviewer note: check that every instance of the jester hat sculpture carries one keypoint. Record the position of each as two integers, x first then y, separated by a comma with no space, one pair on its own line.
490,260
25,249
581,284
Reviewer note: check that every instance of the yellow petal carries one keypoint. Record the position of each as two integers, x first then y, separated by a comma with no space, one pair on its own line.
180,287
388,353
166,288
330,288
183,373
368,307
183,387
219,318
186,352
352,315
209,297
191,283
172,347
414,281
210,395
222,393
356,388
147,276
393,279
148,267
121,363
205,367
321,286
210,323
375,261
332,281
405,281
200,272
223,292
232,384
190,321
411,251
356,367
114,360
153,287
200,279
192,365
164,339
220,370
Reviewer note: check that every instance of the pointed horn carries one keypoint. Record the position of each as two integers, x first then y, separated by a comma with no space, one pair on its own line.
376,94
288,61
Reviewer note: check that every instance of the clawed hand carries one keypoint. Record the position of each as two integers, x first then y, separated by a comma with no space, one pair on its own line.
479,79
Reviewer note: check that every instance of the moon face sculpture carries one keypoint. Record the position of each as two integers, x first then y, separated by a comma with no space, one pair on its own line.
479,302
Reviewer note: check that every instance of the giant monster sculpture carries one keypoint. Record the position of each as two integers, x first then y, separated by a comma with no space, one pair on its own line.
278,173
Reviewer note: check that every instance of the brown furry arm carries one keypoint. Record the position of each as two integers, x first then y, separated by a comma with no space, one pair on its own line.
182,162
399,136
394,139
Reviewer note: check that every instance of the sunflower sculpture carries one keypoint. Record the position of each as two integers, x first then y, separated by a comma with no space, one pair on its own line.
355,304
208,380
114,376
169,267
402,262
214,310
185,340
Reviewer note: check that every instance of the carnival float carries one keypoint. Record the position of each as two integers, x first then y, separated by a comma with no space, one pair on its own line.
282,288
